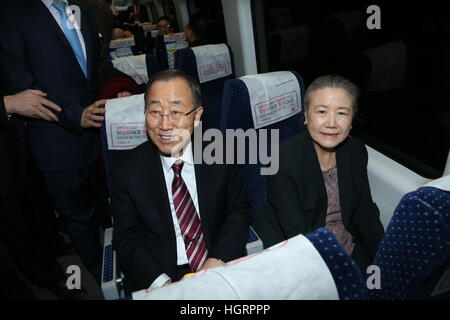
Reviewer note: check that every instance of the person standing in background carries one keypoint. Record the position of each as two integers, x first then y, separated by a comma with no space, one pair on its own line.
66,68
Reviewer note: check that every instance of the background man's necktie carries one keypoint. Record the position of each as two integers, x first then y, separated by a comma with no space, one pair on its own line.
71,34
190,224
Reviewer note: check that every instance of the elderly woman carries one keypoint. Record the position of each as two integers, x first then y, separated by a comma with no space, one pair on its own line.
322,179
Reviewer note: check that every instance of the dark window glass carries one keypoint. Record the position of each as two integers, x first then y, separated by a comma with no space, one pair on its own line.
212,12
402,69
153,12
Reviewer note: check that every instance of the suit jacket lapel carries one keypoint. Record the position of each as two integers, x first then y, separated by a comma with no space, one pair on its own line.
204,180
344,182
40,12
312,175
203,173
154,175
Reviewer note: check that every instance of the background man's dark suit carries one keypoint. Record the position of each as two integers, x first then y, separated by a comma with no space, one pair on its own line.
298,195
28,238
36,54
105,22
144,235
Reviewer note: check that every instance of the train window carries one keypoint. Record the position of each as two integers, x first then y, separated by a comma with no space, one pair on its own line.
153,11
210,10
169,10
121,4
402,67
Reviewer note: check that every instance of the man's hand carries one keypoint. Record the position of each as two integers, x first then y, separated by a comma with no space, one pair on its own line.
31,103
90,115
212,263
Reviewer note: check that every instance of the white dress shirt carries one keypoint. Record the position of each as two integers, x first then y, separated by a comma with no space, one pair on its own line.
188,175
55,14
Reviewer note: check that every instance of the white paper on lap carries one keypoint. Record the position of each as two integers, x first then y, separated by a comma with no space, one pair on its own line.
125,122
213,62
274,96
134,66
292,269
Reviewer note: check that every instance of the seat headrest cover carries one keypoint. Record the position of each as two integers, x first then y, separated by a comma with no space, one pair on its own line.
213,62
292,269
125,122
134,66
121,43
274,96
174,37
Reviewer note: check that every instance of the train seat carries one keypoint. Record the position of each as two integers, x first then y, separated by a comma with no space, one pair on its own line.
414,255
237,106
237,114
211,65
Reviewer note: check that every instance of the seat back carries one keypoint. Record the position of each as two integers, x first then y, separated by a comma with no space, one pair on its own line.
166,47
346,274
212,90
152,64
237,113
414,255
122,130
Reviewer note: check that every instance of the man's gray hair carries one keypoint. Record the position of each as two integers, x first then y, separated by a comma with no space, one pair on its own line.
333,81
167,75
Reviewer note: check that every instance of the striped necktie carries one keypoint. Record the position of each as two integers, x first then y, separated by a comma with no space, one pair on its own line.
190,225
71,34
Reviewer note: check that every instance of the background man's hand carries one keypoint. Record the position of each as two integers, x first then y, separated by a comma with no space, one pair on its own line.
91,115
31,103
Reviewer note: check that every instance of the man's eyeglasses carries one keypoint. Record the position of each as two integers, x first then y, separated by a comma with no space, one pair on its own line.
174,116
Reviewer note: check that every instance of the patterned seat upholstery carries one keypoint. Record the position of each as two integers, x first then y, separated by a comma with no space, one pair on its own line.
346,274
414,255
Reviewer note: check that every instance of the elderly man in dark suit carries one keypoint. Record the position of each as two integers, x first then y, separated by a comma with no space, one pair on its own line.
53,46
173,216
